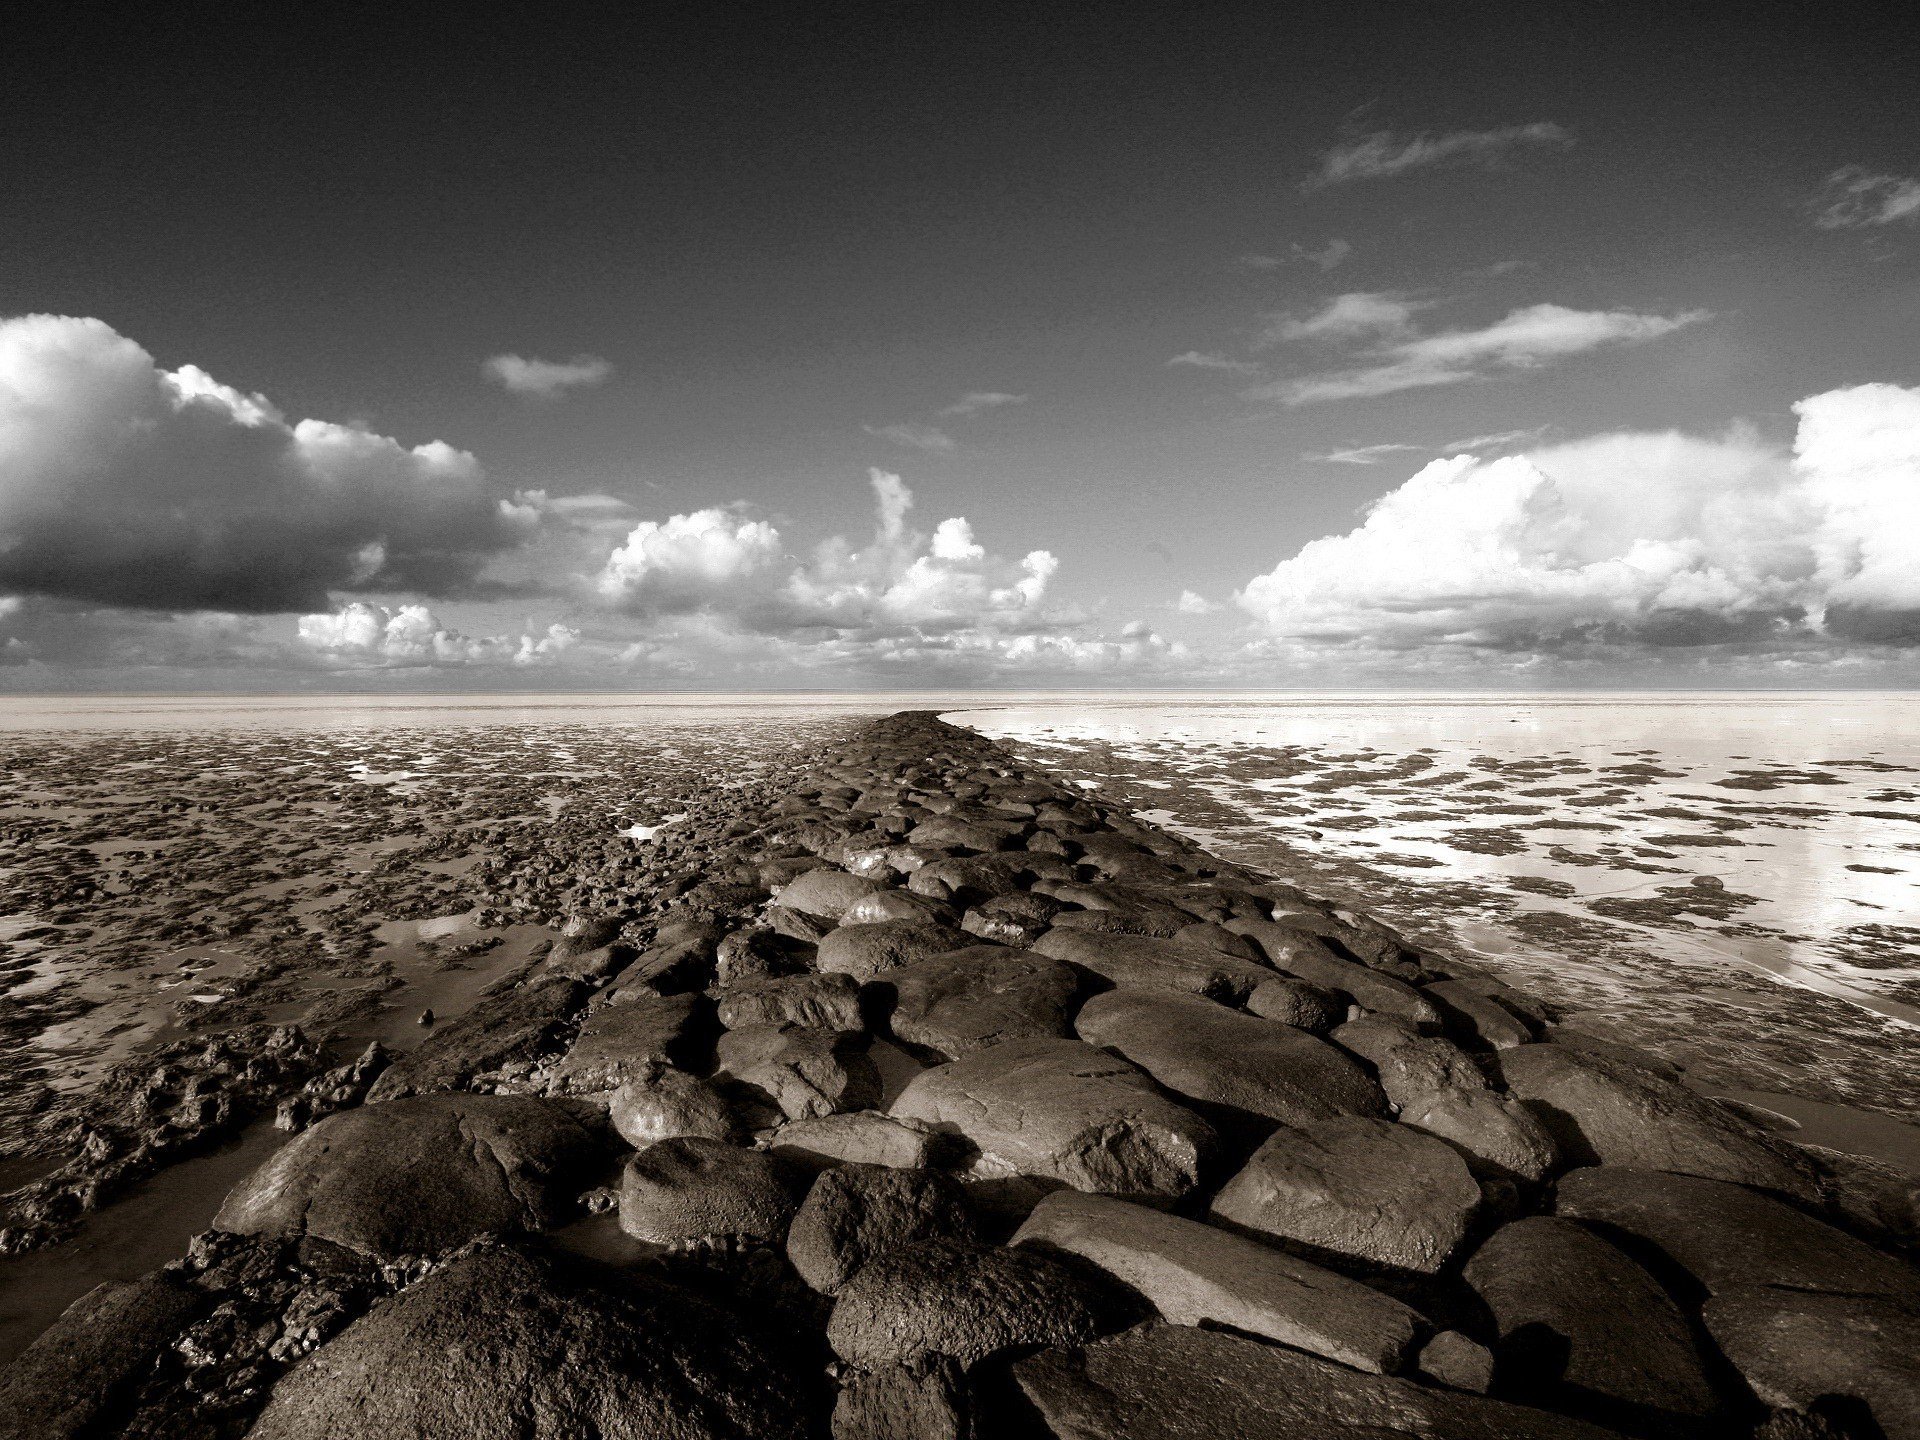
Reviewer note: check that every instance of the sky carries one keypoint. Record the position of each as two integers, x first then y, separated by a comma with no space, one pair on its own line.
842,347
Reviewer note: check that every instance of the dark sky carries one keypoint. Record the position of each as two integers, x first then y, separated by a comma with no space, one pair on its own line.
791,230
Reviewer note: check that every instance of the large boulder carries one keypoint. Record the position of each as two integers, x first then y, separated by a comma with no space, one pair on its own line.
1607,1111
1477,1017
1141,962
1218,1056
1583,1328
825,893
1196,1274
966,1000
1061,1110
1500,1137
619,1043
970,1302
859,1137
818,1002
856,1213
1796,1347
1298,1003
1172,1382
925,1400
503,1346
682,1191
1362,1189
1306,957
666,1104
520,1024
863,951
1726,1235
1409,1066
418,1176
801,1072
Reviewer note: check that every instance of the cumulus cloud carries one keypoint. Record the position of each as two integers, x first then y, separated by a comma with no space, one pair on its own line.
1854,198
1384,153
125,484
1525,339
1191,602
910,436
361,635
546,379
1649,541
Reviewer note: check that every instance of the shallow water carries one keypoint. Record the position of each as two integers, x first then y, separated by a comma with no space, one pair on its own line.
1731,879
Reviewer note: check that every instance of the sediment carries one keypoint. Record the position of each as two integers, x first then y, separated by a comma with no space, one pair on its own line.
931,1097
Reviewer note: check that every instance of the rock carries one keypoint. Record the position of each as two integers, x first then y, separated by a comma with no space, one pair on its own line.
947,832
1500,1137
76,1377
859,1137
825,892
897,905
1477,1017
966,1000
756,952
518,1024
1217,937
966,880
803,1073
857,1213
1016,919
1141,962
418,1176
682,1191
1725,1235
1797,1348
1161,922
1872,1197
1307,958
1457,1361
1196,1274
621,1042
1604,1111
926,1400
1583,1328
1061,1110
969,1302
1170,1382
863,951
669,1104
1366,1190
1409,1066
1298,1003
503,1346
820,1002
668,967
1218,1056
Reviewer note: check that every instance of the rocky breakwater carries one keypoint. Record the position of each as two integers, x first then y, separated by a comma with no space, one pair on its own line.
935,1099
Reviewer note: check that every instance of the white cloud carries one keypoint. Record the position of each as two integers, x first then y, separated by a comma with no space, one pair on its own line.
1349,316
1193,603
1383,153
546,379
408,636
1854,198
974,401
691,561
1497,440
911,436
122,483
1201,361
1526,339
1643,541
1362,455
1326,256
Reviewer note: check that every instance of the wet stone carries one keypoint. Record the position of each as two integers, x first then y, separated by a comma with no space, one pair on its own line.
969,999
683,1191
856,1213
803,1073
863,951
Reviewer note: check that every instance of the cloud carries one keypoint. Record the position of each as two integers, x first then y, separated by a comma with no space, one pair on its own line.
1854,198
125,484
914,437
1360,312
974,401
546,379
688,562
1326,257
1644,542
1383,153
1200,361
1526,339
360,635
1362,455
1498,440
1193,603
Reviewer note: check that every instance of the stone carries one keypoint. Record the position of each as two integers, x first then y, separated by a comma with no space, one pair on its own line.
1457,1361
1409,1066
966,1000
1306,957
518,1024
756,952
418,1176
618,1043
1218,937
859,1137
1796,1348
1298,1003
1172,1382
1195,1274
1724,1235
1500,1137
926,1400
819,1002
1142,962
682,1191
81,1370
1361,1189
1476,1017
825,892
1604,1111
969,1302
504,1346
667,967
802,1072
1061,1110
897,905
1160,922
856,1213
1016,919
1218,1056
863,951
667,1104
1583,1328
948,832
965,880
